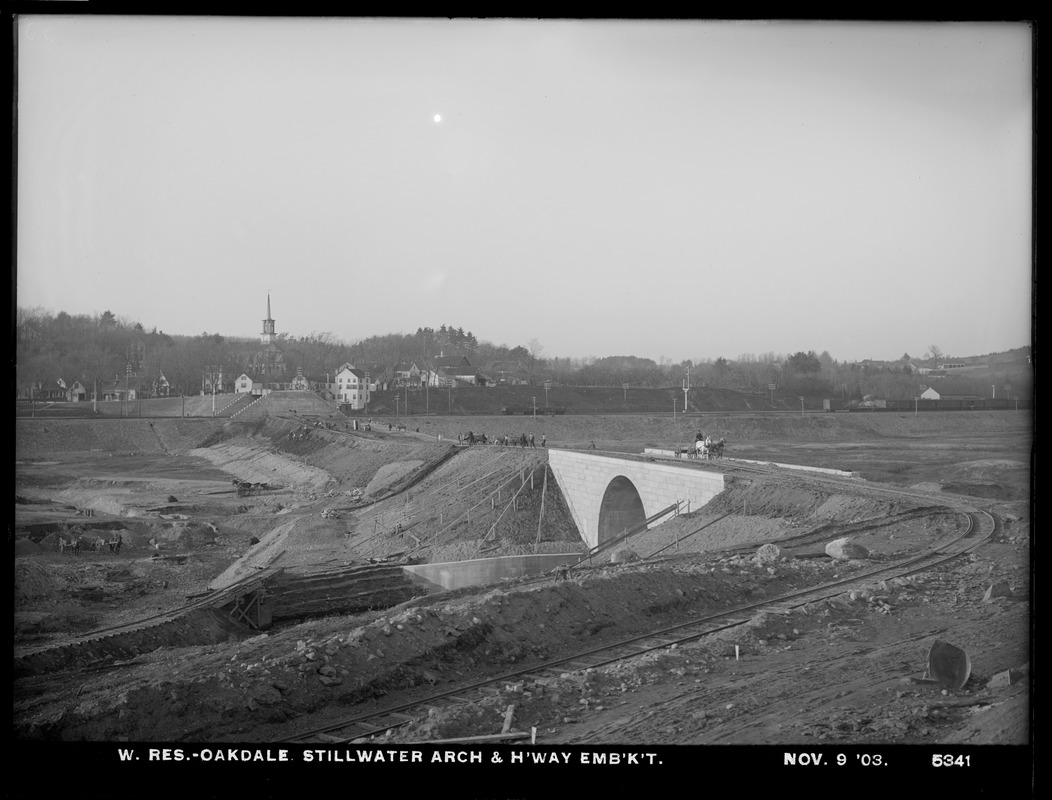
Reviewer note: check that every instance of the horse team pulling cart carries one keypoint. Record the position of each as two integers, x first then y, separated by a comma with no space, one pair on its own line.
705,447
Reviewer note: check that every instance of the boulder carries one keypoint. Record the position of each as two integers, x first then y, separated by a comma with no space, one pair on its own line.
624,555
768,554
999,589
1006,678
844,549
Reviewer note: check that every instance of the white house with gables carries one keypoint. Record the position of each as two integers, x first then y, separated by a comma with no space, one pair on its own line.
349,387
244,384
300,382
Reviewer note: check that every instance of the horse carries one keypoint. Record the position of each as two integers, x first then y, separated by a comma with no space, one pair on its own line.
73,546
701,449
718,447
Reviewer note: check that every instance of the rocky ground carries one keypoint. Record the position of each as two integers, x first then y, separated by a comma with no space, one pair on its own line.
844,670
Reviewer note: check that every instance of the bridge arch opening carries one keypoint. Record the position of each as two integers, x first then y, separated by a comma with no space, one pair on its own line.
621,509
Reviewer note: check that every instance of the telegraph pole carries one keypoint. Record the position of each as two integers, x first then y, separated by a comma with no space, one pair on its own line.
686,388
535,408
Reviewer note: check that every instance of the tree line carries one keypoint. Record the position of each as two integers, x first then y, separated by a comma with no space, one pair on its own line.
90,347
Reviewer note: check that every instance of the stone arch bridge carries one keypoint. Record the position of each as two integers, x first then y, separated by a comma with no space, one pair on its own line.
608,495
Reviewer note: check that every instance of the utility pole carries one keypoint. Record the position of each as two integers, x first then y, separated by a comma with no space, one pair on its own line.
624,388
686,388
366,392
673,408
547,386
127,374
535,408
801,406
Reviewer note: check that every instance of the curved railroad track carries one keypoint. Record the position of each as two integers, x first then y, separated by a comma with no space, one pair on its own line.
980,529
215,599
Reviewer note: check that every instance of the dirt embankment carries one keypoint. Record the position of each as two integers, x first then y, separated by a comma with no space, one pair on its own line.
839,672
324,662
41,439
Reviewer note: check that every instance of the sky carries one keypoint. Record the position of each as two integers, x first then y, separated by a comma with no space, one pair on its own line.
669,190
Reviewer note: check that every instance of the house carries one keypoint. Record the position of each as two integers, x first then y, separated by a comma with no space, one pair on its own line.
126,388
381,377
349,387
407,374
509,373
161,387
430,377
77,392
299,383
450,376
245,384
445,377
54,391
929,394
451,362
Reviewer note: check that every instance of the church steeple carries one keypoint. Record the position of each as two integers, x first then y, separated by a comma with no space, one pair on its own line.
268,334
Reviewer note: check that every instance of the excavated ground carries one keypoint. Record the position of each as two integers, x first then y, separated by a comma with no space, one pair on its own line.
841,670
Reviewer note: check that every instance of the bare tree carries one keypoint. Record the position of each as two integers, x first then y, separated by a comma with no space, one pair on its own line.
536,350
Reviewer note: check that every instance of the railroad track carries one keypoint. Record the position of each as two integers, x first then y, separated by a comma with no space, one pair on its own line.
980,529
215,599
